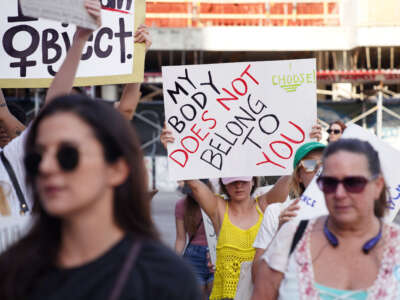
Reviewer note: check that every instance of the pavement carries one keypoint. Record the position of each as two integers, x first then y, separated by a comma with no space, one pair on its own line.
163,212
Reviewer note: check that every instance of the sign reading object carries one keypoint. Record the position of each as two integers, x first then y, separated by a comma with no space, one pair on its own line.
32,50
312,202
238,119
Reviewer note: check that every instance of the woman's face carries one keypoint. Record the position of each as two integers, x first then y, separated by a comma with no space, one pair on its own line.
347,206
306,175
239,190
335,133
88,185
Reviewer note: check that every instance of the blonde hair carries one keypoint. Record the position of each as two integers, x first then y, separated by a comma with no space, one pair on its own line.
296,188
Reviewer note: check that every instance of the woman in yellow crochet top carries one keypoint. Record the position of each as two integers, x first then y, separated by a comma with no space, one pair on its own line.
236,221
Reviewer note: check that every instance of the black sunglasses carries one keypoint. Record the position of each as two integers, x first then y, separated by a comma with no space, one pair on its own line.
67,157
352,184
334,131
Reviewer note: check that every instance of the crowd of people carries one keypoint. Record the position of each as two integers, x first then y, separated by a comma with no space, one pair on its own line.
83,182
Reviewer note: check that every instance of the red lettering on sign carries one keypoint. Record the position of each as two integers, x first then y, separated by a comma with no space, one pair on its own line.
267,160
186,157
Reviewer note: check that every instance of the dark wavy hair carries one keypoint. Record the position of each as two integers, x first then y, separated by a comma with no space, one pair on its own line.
374,166
23,264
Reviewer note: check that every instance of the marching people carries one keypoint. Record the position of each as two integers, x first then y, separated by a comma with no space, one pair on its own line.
92,235
323,258
306,163
189,222
236,221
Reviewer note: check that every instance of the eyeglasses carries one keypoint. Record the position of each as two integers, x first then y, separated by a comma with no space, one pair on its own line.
310,165
352,184
67,157
334,131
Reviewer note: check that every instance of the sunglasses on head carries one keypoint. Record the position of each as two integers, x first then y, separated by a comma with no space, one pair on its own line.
334,131
310,165
67,158
352,184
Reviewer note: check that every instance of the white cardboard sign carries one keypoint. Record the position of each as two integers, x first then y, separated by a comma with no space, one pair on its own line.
245,285
67,11
312,201
12,229
238,119
32,50
211,237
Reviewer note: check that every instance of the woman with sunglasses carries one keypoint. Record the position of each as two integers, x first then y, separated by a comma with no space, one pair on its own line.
92,237
335,130
348,254
306,163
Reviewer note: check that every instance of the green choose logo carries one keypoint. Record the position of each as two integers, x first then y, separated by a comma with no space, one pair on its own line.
291,81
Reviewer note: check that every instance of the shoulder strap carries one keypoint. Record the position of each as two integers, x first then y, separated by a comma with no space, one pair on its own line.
22,203
299,233
126,268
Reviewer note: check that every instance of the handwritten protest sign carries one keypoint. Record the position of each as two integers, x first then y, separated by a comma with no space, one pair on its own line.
312,201
211,237
238,119
67,11
32,50
12,229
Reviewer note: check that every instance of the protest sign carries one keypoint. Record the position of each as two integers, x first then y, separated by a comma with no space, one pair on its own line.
67,11
211,237
32,50
12,229
245,285
312,201
238,119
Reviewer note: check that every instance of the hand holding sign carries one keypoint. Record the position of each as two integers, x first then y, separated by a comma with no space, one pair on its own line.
166,137
68,11
142,35
94,9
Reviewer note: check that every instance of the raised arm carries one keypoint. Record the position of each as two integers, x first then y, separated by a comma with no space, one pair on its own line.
278,193
210,203
131,93
64,79
12,126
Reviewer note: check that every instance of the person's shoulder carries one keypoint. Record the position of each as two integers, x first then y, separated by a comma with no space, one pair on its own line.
166,271
180,203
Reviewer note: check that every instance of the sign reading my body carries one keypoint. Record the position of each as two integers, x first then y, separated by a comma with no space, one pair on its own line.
52,41
238,131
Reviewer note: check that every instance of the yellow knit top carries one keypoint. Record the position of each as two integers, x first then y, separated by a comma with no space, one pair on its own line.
235,245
